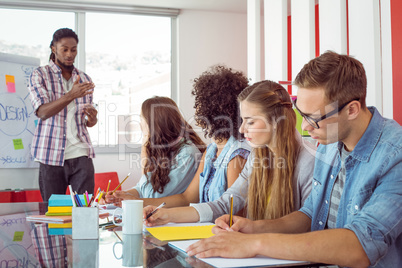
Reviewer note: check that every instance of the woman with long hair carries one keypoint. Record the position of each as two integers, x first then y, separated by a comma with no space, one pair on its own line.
170,153
277,177
217,113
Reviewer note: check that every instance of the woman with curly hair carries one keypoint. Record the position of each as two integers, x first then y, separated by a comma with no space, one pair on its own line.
217,113
171,151
277,177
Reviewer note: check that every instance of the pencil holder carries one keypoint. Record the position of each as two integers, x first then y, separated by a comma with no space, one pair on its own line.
85,223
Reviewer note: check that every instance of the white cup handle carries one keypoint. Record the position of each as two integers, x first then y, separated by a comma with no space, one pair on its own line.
116,223
115,253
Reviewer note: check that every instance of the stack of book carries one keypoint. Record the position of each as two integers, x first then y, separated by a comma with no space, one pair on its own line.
60,205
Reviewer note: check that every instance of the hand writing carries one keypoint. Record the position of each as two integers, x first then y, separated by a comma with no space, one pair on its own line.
160,217
240,224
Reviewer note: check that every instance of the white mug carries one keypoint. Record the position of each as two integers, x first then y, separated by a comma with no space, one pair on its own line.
132,252
131,216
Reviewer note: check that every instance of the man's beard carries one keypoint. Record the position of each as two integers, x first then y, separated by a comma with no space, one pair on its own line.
64,66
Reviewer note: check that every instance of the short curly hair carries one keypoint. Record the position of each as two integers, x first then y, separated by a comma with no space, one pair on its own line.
216,106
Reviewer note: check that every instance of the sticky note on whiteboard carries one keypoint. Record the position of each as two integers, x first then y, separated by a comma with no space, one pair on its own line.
10,87
18,144
10,83
10,78
18,236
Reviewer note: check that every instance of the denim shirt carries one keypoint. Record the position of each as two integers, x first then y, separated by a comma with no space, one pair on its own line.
219,183
371,202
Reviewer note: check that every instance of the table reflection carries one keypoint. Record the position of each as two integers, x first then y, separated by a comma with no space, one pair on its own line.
131,250
25,244
113,249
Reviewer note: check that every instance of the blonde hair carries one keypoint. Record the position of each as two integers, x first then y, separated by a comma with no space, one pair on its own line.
270,192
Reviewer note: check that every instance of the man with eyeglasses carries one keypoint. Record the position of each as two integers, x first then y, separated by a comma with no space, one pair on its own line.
353,216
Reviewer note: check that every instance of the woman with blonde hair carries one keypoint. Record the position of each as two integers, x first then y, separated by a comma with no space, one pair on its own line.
282,167
277,176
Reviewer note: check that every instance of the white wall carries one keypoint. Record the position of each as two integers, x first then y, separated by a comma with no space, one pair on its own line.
365,45
122,164
204,39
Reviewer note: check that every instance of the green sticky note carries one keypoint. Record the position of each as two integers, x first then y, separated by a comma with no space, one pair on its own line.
18,144
18,236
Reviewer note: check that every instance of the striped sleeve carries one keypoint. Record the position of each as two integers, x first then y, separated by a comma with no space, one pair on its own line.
37,89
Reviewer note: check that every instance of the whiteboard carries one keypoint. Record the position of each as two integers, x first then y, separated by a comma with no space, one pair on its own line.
17,120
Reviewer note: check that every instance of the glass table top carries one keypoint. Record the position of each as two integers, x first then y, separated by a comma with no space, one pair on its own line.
28,244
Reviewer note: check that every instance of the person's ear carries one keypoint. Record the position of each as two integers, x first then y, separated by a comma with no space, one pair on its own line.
354,109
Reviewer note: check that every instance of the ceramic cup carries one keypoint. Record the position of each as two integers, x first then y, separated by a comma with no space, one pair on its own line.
131,211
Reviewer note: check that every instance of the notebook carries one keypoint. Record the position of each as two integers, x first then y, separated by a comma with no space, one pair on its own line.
49,219
258,261
56,219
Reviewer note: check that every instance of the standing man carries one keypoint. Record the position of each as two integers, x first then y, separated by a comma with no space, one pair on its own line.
62,96
353,216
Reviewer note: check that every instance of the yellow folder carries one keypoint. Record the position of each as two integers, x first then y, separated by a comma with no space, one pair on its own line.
59,209
181,232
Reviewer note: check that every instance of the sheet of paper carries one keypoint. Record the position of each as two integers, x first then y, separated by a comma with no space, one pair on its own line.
246,262
109,208
172,224
182,232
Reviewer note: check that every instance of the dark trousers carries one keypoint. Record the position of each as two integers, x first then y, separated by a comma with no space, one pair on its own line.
78,172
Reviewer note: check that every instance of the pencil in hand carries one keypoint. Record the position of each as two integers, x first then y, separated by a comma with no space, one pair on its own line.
231,211
121,183
107,189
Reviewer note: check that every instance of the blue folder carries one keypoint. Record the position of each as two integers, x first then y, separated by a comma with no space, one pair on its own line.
63,200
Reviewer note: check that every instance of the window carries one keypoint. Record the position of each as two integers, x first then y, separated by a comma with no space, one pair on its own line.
29,32
128,58
127,55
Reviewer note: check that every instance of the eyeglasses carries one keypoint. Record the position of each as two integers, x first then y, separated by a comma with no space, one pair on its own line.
314,122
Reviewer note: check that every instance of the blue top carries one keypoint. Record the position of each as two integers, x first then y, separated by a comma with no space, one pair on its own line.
213,179
181,174
244,153
371,202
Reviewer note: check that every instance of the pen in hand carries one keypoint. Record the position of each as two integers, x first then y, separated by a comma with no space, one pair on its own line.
155,210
